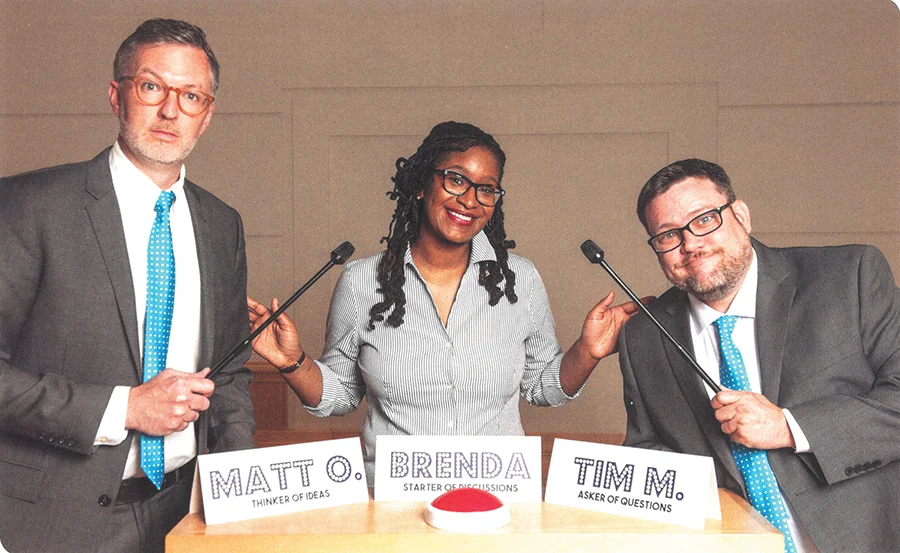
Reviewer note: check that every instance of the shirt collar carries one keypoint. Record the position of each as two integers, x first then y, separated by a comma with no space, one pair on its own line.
482,250
744,304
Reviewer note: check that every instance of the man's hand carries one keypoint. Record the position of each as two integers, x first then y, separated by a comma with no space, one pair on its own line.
752,420
168,402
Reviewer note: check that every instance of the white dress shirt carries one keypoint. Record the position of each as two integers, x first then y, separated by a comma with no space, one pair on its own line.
137,196
706,350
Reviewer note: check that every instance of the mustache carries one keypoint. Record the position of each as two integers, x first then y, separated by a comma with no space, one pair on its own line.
693,256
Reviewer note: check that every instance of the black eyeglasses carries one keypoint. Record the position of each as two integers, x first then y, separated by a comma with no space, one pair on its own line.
701,225
152,93
457,184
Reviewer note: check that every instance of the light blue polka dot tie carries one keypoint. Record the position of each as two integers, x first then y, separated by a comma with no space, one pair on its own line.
158,322
762,488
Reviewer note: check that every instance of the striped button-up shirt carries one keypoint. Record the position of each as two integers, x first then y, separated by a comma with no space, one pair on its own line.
426,379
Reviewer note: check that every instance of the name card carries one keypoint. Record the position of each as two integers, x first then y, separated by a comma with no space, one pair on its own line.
253,483
641,483
420,468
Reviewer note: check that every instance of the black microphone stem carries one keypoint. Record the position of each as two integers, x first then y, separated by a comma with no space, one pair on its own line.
595,255
338,257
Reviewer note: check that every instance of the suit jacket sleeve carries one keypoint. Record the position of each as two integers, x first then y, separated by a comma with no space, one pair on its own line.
851,429
231,422
640,431
37,401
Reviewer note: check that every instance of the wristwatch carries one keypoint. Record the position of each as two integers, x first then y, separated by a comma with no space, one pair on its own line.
294,367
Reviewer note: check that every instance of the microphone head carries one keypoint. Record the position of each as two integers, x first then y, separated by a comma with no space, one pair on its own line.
342,253
592,251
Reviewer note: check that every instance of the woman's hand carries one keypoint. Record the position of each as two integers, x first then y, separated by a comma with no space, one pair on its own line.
600,333
599,338
279,343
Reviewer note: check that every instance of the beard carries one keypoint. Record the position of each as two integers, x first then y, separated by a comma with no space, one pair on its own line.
157,153
726,277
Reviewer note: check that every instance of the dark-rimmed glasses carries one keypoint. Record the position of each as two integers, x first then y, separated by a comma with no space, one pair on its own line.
152,93
458,184
701,225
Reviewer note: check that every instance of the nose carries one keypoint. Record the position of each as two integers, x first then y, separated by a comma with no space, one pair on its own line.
468,198
169,109
690,242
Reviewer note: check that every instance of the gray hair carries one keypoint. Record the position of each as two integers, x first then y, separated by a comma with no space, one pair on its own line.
164,31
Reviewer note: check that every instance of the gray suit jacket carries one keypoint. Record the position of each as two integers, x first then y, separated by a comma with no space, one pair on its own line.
828,336
68,335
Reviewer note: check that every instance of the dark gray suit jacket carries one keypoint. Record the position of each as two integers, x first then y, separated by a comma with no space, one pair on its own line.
828,336
68,335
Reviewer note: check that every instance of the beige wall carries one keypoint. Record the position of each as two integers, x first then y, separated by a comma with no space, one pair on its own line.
798,100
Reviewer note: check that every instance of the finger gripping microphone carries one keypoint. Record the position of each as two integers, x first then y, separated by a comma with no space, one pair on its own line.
338,256
595,255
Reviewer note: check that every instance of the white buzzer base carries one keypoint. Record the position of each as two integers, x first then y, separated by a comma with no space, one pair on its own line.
476,521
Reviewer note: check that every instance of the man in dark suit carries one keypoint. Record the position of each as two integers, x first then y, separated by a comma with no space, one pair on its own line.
818,336
75,283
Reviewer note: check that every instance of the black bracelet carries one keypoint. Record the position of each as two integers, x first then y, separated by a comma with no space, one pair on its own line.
294,367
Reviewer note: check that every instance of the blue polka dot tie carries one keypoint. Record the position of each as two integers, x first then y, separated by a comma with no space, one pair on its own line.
762,488
158,322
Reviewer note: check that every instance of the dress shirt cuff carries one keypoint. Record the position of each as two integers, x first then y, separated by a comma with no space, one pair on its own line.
112,426
552,384
331,388
801,444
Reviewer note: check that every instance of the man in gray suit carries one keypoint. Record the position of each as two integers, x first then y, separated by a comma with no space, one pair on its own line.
74,288
818,336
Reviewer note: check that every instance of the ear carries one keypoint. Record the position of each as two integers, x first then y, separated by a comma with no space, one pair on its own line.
114,99
742,214
206,117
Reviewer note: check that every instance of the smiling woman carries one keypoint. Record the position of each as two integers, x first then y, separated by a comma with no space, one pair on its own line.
445,329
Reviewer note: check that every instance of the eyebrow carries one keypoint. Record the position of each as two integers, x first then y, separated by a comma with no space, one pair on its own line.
460,170
691,216
155,75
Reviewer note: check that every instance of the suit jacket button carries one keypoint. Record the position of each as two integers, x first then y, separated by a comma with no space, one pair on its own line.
876,464
104,500
848,471
867,466
857,469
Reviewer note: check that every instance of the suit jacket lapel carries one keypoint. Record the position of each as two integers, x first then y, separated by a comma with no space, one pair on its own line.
774,298
677,322
207,290
106,220
199,221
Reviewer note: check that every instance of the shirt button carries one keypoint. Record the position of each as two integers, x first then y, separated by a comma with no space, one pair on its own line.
450,424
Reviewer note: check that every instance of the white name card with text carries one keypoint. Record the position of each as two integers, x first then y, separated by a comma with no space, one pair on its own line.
641,483
254,483
420,468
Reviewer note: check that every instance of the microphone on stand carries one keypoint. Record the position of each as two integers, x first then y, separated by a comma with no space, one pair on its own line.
340,254
595,255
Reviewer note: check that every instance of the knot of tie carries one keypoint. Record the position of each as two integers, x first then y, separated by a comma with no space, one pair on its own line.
725,324
165,201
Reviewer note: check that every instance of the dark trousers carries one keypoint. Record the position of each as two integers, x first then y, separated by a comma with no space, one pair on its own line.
141,527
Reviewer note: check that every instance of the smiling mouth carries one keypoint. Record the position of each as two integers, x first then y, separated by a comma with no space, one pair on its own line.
460,218
693,260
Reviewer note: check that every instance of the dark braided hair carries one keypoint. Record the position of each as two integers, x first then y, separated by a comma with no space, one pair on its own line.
413,176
